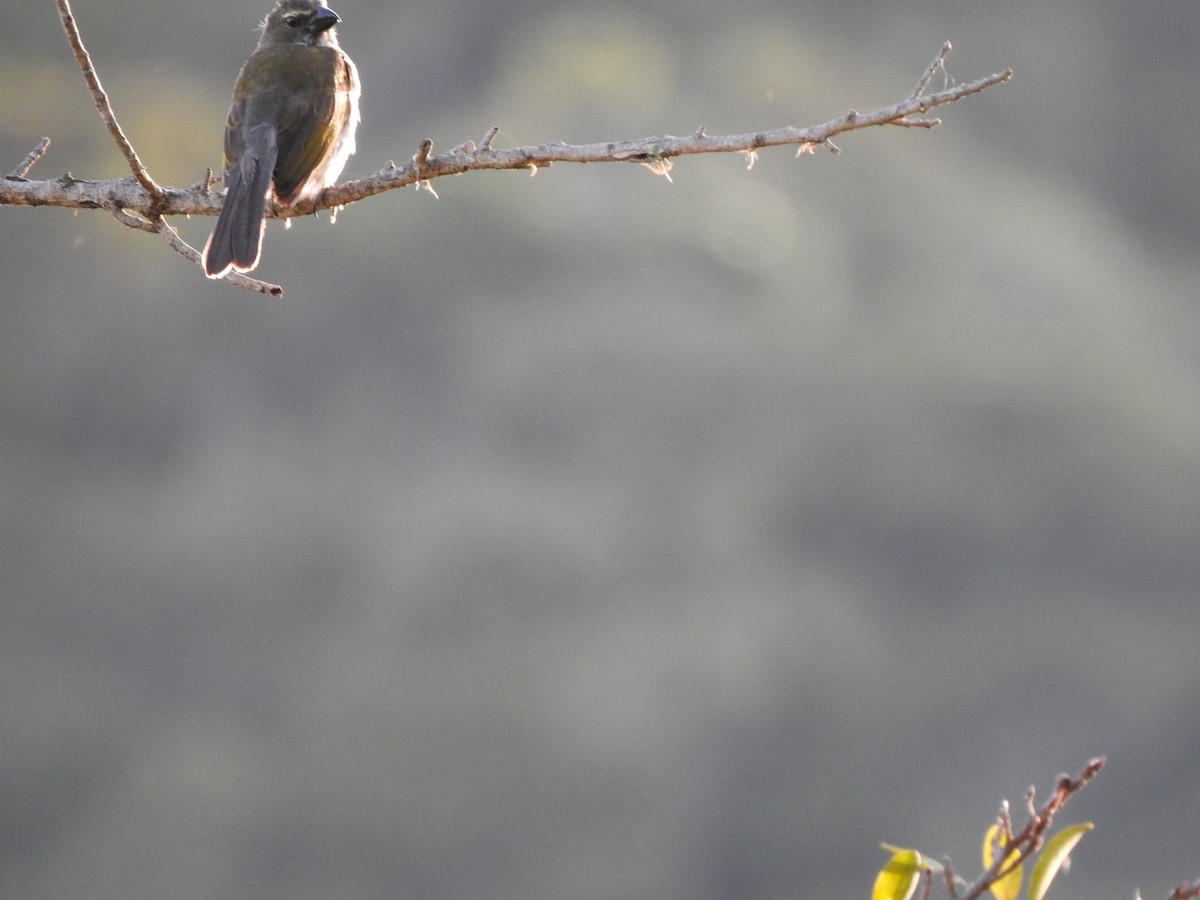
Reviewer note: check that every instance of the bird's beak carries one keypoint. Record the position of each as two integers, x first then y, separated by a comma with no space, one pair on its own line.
324,19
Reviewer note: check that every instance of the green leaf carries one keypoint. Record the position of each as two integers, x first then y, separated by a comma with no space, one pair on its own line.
1057,849
1009,886
898,879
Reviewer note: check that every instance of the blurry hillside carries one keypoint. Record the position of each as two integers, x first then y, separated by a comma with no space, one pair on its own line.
591,536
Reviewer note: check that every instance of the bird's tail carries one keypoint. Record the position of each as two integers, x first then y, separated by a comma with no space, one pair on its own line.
236,241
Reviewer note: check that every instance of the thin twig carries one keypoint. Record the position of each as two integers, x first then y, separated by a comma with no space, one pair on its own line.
30,160
939,62
488,137
422,155
129,220
237,279
103,106
1004,817
925,884
205,184
949,877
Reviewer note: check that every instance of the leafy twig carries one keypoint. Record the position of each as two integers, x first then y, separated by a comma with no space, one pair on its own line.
1020,846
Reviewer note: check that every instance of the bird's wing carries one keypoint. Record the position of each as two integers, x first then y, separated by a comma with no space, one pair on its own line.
310,121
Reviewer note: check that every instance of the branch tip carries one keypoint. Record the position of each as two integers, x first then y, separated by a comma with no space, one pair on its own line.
31,159
939,62
422,155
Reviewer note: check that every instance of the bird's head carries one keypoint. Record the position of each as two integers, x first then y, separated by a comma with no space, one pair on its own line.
307,22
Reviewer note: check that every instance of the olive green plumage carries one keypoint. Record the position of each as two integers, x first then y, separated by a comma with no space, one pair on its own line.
290,129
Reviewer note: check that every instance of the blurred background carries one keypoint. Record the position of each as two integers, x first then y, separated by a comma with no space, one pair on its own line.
590,535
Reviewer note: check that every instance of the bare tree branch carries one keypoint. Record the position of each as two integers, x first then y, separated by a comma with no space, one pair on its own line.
139,202
68,191
648,151
102,104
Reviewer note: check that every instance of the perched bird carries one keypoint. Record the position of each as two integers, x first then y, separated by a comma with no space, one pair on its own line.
290,128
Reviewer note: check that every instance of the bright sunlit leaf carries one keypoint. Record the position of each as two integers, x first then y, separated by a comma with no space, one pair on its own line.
1009,886
1056,852
898,879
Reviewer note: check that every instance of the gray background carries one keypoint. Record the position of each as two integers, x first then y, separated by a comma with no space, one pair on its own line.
590,536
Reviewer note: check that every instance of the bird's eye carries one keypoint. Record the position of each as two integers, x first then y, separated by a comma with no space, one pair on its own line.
294,20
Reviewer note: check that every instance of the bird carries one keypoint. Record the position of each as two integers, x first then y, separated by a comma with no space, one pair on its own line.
291,127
